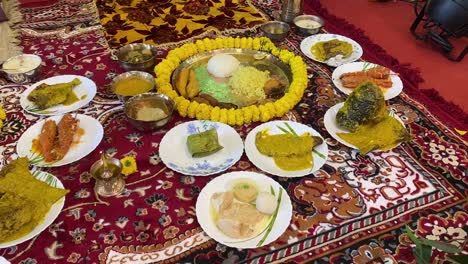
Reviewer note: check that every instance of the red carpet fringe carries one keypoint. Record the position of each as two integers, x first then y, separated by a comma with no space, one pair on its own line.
448,112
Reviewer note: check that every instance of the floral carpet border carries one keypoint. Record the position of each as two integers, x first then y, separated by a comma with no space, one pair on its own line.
369,226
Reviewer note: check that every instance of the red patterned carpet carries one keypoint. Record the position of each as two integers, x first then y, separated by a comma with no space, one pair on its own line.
388,25
354,210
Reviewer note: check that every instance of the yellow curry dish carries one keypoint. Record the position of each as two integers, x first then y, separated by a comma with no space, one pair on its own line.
325,50
132,86
365,115
48,95
24,200
289,151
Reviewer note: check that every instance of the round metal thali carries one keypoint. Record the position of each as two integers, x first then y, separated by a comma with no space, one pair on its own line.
262,61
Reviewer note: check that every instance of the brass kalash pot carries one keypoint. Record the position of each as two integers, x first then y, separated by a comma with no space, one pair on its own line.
108,174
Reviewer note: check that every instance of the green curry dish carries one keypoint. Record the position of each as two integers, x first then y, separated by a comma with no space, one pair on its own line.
203,144
365,105
24,200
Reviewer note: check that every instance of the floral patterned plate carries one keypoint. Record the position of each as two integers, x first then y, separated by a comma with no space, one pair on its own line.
308,42
332,127
267,164
84,91
50,216
389,93
175,155
279,224
92,133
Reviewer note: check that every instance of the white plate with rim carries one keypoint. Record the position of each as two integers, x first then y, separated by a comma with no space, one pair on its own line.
84,91
267,164
175,155
389,93
310,41
49,218
222,184
88,141
332,127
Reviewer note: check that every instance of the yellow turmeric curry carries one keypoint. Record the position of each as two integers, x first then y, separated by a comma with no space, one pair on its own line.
384,135
289,152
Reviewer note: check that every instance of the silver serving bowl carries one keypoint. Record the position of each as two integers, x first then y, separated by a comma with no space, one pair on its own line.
142,75
299,22
152,100
144,65
22,77
275,30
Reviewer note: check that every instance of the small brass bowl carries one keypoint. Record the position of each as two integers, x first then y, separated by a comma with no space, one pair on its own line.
275,30
145,65
149,100
131,74
304,19
23,77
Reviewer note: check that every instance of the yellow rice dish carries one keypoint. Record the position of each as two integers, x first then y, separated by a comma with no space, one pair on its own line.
24,200
248,81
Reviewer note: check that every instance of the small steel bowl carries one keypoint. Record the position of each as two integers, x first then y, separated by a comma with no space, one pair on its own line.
275,30
153,100
22,77
146,65
143,75
306,19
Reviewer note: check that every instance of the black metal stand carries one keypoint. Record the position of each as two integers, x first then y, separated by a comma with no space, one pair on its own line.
438,31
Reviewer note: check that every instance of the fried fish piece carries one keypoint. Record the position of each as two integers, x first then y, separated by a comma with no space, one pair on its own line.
66,130
47,140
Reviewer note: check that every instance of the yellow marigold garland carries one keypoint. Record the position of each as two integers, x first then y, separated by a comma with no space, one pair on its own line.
243,115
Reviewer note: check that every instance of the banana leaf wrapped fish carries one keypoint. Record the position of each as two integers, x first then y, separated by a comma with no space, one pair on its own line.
366,104
24,200
45,95
365,115
203,144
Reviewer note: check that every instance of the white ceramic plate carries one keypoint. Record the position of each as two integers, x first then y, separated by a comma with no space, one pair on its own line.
86,90
175,155
92,136
332,127
308,42
221,184
50,216
267,164
389,93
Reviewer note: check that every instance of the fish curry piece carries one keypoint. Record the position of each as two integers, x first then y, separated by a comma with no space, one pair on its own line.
324,50
46,95
290,152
